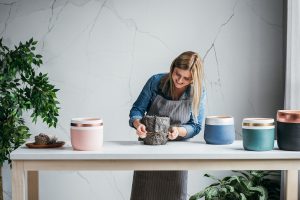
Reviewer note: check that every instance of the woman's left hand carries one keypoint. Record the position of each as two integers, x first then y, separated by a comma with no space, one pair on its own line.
173,133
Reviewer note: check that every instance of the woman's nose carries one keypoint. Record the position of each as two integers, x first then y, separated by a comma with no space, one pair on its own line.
180,80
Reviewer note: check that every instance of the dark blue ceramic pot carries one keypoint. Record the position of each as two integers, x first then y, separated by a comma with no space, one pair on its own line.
288,130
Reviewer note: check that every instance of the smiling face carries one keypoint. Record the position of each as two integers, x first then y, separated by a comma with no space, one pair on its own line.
181,78
186,70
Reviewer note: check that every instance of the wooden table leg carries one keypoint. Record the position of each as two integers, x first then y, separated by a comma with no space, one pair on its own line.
33,185
291,188
18,180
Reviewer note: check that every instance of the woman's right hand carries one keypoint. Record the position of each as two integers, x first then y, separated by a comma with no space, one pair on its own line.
140,129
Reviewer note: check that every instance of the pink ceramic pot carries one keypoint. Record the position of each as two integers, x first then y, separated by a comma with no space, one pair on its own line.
87,134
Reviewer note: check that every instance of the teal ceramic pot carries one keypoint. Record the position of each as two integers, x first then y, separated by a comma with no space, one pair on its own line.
258,134
219,130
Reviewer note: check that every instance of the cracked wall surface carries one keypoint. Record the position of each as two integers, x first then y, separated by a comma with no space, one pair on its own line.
100,53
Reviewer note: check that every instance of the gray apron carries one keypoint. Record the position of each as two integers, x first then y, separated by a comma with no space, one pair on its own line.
163,185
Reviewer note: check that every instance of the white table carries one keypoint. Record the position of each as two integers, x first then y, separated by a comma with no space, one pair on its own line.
133,155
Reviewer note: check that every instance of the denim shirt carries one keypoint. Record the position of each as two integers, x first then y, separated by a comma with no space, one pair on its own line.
147,96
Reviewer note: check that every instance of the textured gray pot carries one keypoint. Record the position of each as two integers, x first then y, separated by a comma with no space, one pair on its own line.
157,129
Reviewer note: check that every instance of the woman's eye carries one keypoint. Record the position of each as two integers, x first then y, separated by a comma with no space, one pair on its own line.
185,78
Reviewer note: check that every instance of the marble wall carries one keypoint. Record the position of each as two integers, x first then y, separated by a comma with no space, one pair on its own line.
100,54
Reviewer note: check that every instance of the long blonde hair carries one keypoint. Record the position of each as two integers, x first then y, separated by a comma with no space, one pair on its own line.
187,61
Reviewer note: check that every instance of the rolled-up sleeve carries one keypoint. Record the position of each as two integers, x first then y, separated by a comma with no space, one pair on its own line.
142,103
194,126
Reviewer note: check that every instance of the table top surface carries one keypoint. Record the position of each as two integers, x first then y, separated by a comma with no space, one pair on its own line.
135,150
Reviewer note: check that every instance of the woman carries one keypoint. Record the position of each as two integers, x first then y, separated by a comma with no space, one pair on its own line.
179,95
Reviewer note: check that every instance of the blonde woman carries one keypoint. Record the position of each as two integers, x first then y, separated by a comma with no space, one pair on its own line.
179,95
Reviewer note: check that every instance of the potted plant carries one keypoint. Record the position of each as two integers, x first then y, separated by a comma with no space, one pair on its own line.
247,185
22,88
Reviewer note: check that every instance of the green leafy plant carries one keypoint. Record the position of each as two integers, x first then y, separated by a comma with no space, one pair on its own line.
22,88
247,185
